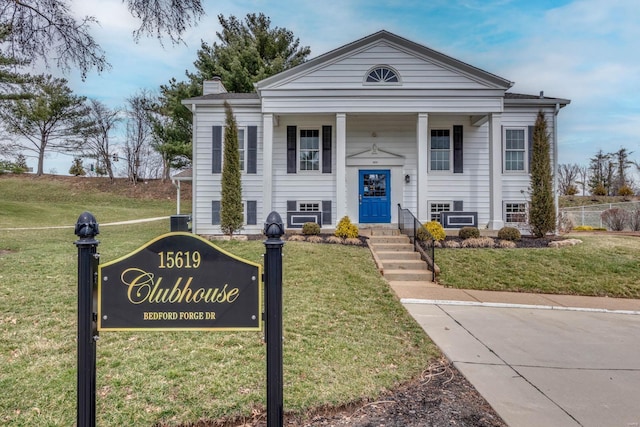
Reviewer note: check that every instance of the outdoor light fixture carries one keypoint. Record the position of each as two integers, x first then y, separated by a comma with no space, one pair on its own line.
407,178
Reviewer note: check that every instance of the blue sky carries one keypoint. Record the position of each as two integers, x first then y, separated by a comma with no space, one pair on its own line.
587,51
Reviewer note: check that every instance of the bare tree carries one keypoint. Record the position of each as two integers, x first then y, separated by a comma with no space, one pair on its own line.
44,29
96,137
139,134
568,178
583,174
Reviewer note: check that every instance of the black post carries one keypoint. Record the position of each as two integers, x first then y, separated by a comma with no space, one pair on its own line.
274,229
86,229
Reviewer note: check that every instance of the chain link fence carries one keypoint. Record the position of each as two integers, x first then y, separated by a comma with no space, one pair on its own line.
591,215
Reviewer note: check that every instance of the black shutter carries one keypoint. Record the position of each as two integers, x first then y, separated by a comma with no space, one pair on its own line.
530,147
458,206
291,149
252,149
326,213
326,149
215,212
252,212
216,150
457,149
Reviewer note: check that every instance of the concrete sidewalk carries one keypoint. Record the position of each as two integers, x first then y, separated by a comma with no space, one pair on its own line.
539,360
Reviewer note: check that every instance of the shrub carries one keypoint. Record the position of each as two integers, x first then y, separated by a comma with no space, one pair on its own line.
625,191
352,241
599,190
434,229
583,228
451,244
296,238
506,244
315,239
480,242
469,233
572,190
310,229
615,218
509,233
334,239
346,229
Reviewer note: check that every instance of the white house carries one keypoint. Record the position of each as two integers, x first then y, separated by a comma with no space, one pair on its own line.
363,128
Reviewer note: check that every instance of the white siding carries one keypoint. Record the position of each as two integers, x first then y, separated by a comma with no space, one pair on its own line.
208,183
415,71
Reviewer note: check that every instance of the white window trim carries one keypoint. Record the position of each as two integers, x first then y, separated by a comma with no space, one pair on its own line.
306,171
370,70
299,203
241,144
526,151
439,202
429,150
515,202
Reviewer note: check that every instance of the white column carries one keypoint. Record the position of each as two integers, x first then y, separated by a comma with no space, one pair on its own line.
423,166
341,166
495,172
267,165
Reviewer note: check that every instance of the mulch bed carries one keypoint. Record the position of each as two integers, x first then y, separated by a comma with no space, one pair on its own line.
440,397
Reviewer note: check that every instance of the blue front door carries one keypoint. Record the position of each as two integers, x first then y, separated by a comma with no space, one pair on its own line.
374,196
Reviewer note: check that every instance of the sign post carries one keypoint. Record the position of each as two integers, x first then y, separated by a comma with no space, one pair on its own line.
86,229
274,229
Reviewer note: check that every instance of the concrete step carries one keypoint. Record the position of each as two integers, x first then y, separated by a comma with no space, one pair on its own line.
388,239
387,247
407,275
407,264
385,255
382,231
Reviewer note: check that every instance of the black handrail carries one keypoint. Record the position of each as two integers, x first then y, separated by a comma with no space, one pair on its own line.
409,225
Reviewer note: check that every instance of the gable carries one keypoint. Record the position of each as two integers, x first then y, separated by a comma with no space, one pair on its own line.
418,67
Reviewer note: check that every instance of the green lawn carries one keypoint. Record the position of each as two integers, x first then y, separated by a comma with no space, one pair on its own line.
345,335
603,265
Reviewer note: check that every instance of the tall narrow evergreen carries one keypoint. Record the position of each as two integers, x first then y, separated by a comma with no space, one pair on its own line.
542,211
231,212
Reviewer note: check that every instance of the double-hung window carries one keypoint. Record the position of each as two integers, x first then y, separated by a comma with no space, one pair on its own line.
515,150
515,212
242,144
309,151
440,150
436,207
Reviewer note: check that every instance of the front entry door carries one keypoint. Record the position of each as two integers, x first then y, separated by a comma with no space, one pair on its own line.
374,196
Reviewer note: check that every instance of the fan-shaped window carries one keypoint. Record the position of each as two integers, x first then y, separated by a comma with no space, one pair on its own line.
382,75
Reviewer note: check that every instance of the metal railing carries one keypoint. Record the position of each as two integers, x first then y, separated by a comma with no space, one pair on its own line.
422,240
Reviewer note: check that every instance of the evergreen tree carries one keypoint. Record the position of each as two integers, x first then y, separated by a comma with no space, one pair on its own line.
76,168
248,52
50,120
231,212
542,212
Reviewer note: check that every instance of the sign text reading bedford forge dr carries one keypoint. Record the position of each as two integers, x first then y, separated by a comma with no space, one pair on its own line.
179,281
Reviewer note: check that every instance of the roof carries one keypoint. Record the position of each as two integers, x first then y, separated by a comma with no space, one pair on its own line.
394,39
521,98
185,175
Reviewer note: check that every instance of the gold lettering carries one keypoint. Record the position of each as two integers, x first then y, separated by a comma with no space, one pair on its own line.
144,287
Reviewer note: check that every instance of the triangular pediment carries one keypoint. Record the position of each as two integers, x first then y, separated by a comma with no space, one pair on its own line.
417,66
375,156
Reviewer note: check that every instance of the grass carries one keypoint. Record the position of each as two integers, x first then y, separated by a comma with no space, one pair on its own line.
346,336
38,202
603,265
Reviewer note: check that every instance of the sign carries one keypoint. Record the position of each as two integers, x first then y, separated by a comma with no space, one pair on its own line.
179,281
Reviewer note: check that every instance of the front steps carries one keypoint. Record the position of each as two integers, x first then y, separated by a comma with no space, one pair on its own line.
395,257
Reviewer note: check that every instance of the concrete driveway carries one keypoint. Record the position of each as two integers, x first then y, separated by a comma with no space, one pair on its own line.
542,367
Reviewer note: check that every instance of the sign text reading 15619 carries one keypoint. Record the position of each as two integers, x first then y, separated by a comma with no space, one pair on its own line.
179,259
